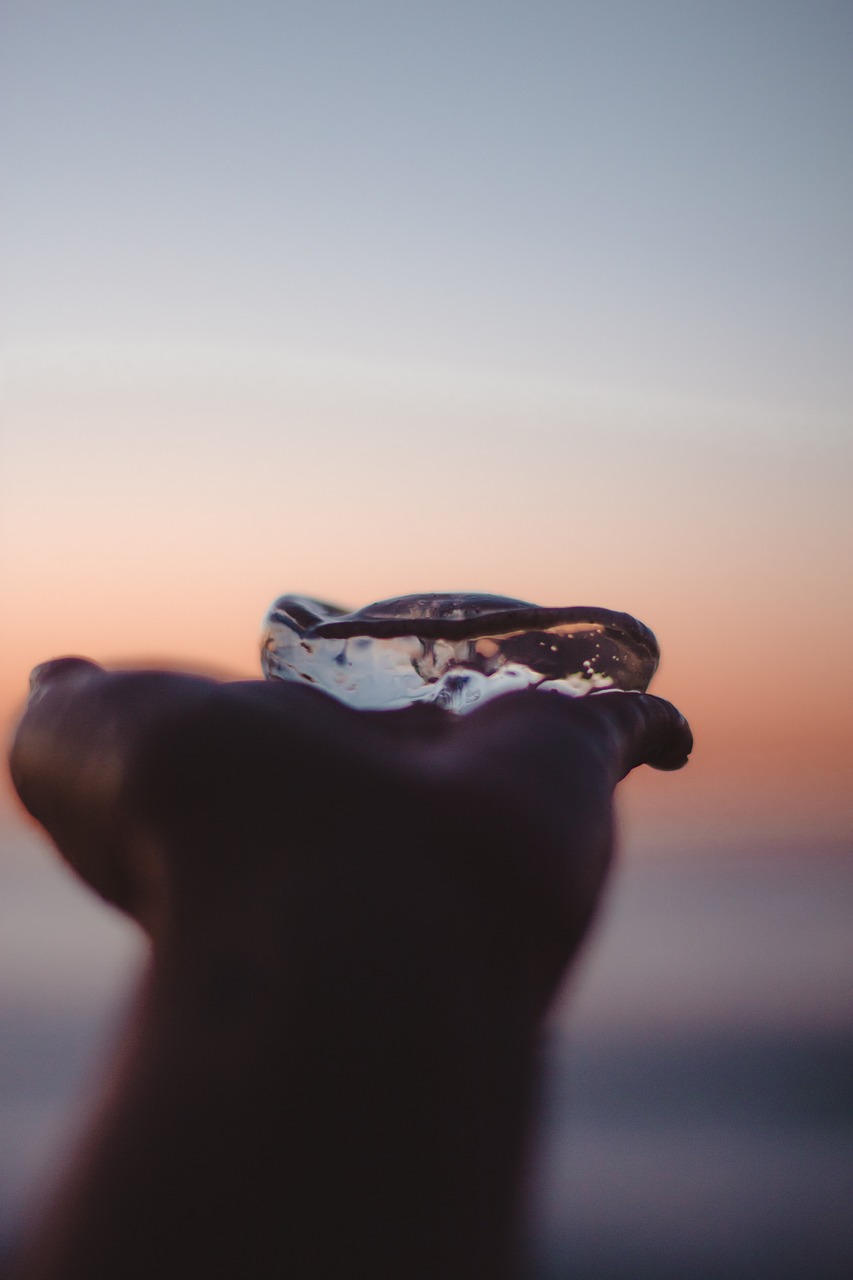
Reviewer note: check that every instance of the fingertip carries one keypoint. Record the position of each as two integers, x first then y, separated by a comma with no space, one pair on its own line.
671,760
672,742
59,669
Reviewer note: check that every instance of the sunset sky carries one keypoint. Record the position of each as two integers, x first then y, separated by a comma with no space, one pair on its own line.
552,300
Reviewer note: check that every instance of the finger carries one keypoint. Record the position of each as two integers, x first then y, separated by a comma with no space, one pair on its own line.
38,757
551,733
81,725
644,729
60,668
62,772
72,754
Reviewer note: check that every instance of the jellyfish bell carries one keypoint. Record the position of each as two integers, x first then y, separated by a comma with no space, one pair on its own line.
455,650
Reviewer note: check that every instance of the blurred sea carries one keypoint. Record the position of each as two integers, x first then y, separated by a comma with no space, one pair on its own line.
697,1108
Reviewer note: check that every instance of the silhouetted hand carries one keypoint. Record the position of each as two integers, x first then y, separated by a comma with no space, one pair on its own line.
133,773
358,919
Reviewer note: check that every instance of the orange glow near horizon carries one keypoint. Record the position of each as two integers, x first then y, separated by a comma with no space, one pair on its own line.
773,748
166,541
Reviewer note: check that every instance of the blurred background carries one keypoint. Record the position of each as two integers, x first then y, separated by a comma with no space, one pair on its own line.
550,300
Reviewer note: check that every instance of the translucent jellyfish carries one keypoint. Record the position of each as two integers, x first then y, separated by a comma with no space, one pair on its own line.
454,650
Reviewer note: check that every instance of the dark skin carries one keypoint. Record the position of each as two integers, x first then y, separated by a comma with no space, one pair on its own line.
358,920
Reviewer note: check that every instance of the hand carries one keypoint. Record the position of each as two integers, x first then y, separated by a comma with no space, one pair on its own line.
358,919
129,771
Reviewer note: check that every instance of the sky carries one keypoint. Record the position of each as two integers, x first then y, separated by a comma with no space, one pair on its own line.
550,300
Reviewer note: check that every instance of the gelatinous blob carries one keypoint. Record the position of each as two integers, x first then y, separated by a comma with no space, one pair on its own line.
454,650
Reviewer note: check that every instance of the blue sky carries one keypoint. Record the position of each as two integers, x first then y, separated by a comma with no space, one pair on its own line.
645,197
